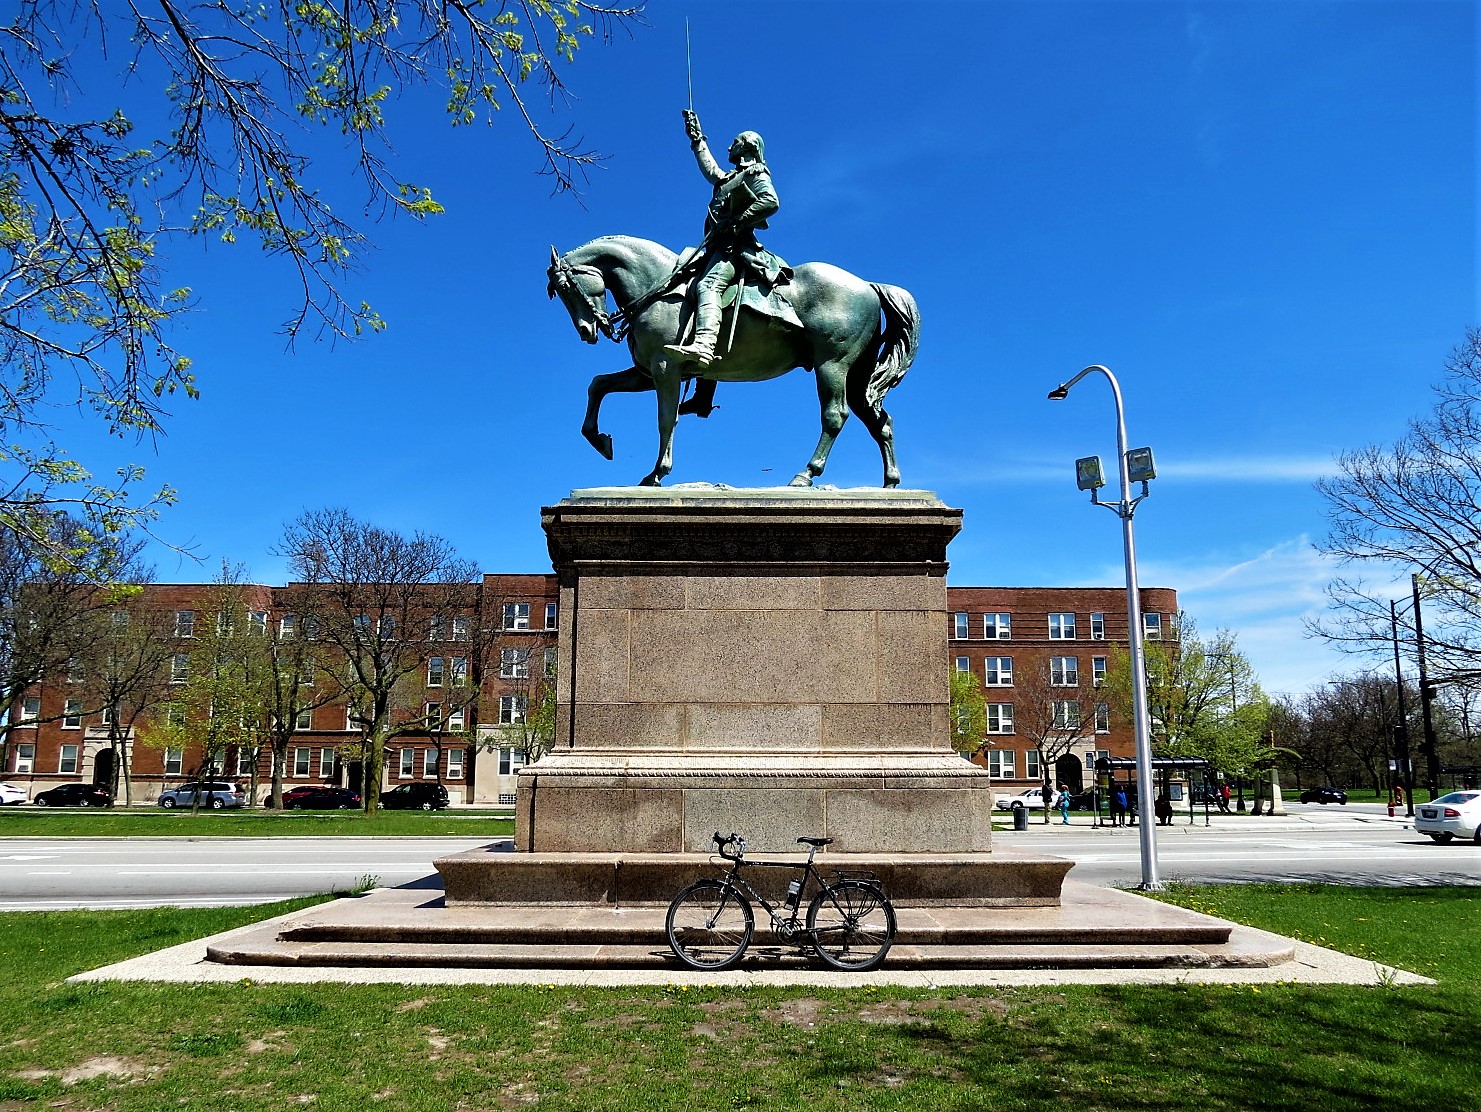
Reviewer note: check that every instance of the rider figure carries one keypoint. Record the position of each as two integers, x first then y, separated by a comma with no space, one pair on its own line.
742,201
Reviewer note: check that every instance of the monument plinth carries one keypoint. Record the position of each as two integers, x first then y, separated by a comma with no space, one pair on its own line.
771,662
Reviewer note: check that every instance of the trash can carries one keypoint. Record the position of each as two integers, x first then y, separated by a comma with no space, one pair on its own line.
1020,818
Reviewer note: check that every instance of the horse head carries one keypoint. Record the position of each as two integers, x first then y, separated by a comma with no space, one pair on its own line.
583,291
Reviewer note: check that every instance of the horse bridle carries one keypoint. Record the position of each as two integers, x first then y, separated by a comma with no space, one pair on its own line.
563,282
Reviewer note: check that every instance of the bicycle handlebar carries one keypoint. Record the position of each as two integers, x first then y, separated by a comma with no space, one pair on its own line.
733,839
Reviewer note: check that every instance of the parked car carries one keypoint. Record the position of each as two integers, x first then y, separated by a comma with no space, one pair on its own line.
1324,795
321,799
75,795
294,793
1456,814
9,793
1032,800
215,794
420,796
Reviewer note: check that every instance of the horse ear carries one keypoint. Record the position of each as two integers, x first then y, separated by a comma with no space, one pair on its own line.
554,255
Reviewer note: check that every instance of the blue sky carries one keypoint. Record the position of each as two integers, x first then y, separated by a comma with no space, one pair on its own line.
1261,216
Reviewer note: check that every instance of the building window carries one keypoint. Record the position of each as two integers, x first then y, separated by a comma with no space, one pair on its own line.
30,711
514,664
326,764
246,761
964,664
552,613
960,630
1061,627
302,758
457,720
1064,671
1097,670
174,761
454,764
107,716
225,625
257,622
287,627
408,767
1000,763
550,661
432,715
458,670
306,671
120,619
72,715
434,671
998,671
184,623
1097,627
437,628
304,721
67,765
997,627
512,710
1031,765
429,763
999,718
353,721
387,627
511,761
25,757
175,714
76,673
1152,626
516,615
1102,718
460,629
179,667
1066,714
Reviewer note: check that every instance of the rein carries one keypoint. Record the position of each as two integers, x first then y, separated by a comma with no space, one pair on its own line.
614,326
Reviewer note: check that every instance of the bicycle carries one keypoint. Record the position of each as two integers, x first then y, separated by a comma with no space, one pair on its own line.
850,922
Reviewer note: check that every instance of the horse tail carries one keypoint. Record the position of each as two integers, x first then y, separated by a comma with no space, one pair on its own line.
898,342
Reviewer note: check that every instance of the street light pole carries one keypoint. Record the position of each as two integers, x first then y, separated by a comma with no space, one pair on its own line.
1426,693
1124,509
1401,732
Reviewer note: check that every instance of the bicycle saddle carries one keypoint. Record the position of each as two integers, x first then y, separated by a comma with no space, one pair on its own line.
815,841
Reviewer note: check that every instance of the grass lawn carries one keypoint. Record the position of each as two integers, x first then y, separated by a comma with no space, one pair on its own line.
247,1046
152,822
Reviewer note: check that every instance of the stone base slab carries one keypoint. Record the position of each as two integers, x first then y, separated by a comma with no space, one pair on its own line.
488,877
641,802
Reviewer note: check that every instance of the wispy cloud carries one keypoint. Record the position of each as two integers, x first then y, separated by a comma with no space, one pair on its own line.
1274,470
1265,600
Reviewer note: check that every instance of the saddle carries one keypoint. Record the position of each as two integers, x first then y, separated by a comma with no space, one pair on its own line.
760,283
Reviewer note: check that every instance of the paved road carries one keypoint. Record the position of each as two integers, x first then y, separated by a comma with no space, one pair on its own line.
1356,844
46,873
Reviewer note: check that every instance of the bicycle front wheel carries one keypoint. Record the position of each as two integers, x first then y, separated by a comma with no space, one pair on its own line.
852,925
709,925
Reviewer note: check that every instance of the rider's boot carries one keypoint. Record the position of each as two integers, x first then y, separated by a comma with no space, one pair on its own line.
701,350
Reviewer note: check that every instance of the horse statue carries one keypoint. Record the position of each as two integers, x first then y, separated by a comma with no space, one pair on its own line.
856,357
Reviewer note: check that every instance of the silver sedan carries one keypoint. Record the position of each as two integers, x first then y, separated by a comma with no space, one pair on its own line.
1455,815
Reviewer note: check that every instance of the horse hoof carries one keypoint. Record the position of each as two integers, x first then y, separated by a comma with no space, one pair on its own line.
602,443
889,484
803,479
651,481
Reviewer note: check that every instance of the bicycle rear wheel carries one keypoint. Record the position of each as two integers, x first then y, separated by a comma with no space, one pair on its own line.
709,925
852,925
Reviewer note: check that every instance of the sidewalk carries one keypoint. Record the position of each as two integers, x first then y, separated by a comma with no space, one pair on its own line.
1081,822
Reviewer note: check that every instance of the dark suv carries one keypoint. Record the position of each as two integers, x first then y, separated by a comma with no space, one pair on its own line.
415,797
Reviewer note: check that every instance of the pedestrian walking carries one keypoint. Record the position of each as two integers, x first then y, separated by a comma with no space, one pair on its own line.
1064,806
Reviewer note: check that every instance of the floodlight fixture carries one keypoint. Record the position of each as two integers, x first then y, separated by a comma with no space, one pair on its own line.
1140,466
1089,474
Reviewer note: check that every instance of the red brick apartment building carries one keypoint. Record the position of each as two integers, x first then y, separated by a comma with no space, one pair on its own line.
1041,654
1039,651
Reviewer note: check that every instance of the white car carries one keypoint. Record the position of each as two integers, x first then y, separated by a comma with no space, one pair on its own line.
1456,814
1030,800
9,793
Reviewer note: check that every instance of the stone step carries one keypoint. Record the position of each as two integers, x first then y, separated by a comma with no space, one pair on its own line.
510,956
